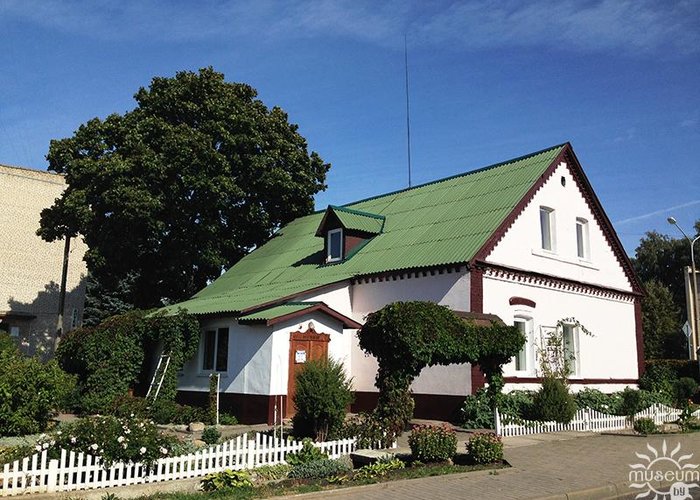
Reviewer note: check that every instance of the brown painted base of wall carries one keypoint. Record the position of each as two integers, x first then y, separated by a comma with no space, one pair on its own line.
247,408
574,381
428,406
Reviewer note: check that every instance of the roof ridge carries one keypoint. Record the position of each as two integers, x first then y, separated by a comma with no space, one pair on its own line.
356,212
462,174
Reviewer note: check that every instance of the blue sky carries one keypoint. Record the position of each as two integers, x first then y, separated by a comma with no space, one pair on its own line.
489,80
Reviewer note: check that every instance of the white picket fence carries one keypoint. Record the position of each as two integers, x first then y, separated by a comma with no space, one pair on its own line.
586,420
80,471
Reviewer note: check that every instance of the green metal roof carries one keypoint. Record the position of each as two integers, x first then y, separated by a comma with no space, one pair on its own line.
277,311
439,223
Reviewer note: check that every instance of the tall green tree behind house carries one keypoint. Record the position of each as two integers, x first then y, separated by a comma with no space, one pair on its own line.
170,193
660,261
663,258
661,319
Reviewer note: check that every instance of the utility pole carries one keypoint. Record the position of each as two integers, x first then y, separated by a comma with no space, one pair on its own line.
62,293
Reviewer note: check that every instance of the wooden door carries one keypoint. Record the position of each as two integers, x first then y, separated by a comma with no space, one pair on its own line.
303,346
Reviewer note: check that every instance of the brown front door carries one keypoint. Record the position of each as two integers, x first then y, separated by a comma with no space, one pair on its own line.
303,347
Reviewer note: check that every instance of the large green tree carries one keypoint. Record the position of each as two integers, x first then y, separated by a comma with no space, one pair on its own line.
170,193
662,258
662,323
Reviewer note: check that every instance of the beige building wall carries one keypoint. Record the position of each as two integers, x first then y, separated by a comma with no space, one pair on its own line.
30,268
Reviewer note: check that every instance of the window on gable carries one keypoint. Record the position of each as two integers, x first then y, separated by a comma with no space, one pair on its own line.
582,244
524,359
334,244
215,355
547,229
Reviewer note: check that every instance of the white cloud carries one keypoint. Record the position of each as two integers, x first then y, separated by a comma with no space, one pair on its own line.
629,26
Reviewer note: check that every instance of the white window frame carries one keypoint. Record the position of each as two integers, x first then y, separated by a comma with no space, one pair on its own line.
576,364
203,339
329,236
548,233
583,247
528,348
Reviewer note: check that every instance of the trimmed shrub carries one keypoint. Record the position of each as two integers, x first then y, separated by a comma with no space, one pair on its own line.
308,453
432,443
323,392
227,419
227,479
211,435
553,402
645,426
31,392
319,469
631,402
597,400
485,448
114,439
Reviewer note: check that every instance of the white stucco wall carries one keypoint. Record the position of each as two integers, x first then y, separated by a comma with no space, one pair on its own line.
450,289
249,360
338,347
521,245
610,353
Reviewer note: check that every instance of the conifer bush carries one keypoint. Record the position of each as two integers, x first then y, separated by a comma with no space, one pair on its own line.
553,402
323,393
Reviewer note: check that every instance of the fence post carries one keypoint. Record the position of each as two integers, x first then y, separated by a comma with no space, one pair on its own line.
587,419
497,421
52,476
250,458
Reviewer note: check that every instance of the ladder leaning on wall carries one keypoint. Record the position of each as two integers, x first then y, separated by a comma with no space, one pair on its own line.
158,377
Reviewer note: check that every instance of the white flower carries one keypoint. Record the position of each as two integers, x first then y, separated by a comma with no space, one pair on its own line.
142,450
127,431
164,451
120,439
124,445
45,445
59,433
38,447
73,439
94,446
132,415
52,442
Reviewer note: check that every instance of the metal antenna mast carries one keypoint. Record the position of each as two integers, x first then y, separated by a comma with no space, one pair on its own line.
408,112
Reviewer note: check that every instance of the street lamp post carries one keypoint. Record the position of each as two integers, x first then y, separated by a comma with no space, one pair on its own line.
693,287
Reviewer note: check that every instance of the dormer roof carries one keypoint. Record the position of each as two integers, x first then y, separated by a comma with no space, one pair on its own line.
350,219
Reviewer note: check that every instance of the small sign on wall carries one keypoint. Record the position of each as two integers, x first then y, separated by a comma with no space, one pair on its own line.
300,356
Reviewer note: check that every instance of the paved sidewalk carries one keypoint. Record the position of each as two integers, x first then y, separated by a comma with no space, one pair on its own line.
542,466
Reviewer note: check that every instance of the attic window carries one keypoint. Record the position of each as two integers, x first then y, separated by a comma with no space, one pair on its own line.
334,244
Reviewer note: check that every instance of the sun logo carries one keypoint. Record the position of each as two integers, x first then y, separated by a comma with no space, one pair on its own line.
665,468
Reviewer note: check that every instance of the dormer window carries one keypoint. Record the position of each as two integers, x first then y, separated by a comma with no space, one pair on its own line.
334,244
346,231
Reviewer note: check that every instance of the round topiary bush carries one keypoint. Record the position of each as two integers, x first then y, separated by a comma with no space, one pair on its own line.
211,435
485,448
685,388
432,443
553,402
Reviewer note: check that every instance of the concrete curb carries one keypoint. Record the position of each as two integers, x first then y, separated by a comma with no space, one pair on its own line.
619,490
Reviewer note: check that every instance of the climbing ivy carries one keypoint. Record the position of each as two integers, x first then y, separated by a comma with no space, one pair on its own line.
405,337
115,355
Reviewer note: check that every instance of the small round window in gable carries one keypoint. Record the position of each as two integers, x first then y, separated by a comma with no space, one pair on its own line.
563,181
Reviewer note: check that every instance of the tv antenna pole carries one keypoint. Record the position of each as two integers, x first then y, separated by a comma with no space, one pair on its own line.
408,111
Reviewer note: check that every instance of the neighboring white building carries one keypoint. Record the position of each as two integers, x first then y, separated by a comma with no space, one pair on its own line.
525,240
31,268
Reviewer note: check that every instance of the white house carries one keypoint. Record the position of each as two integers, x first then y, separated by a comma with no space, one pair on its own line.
525,240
